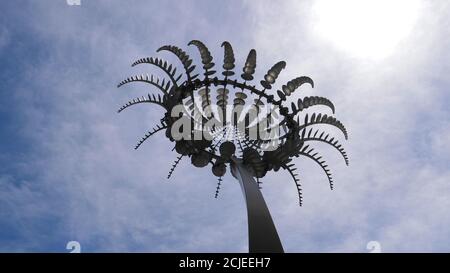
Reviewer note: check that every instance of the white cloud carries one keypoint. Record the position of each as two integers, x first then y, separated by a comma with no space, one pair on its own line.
384,104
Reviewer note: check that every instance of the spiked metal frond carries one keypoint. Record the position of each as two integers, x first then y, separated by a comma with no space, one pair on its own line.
310,101
156,129
219,182
272,74
292,171
250,65
310,136
205,56
163,86
184,59
310,153
228,59
292,85
163,65
175,164
319,119
149,99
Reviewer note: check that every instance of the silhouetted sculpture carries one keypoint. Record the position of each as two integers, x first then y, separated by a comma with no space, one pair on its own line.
254,134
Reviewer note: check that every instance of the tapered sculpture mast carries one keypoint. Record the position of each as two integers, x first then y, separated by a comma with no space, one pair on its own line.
256,132
262,234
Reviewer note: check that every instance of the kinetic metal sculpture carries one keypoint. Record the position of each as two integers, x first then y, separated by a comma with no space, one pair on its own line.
266,132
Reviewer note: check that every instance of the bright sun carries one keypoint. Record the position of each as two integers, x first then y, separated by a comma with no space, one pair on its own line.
370,29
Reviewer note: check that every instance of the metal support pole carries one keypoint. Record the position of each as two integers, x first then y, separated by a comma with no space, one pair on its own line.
262,234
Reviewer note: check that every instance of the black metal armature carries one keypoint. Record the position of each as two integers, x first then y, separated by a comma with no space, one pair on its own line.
255,133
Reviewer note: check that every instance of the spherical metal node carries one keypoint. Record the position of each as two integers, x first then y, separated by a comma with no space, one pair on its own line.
200,159
219,169
227,149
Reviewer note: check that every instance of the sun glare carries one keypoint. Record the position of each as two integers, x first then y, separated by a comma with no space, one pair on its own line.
362,28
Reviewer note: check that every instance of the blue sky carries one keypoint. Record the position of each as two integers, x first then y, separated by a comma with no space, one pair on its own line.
68,170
